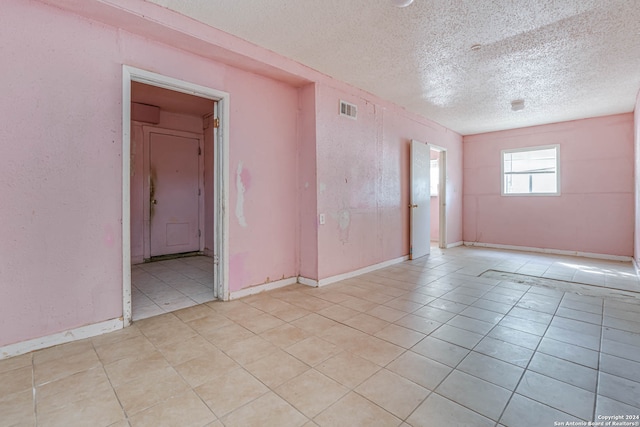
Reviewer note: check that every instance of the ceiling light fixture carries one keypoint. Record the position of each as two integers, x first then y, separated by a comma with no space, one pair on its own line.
517,105
401,3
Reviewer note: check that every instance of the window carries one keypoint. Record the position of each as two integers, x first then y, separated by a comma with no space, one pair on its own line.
435,177
531,171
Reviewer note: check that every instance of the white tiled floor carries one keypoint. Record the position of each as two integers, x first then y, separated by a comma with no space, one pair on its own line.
421,343
165,286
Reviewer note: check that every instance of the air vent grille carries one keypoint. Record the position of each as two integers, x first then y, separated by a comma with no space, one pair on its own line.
348,110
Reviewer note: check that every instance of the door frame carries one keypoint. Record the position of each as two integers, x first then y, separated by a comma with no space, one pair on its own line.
146,191
442,195
220,178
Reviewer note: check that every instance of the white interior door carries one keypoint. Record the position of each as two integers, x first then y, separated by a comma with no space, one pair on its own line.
420,202
174,194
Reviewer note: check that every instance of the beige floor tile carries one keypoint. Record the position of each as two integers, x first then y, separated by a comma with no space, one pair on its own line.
276,368
313,350
101,411
132,347
16,380
116,336
419,369
314,323
227,336
260,323
375,350
250,350
393,393
131,368
16,362
354,410
184,410
206,368
311,392
207,324
183,351
62,351
338,313
230,391
343,336
242,311
439,411
63,367
17,409
405,305
192,313
169,334
418,323
267,410
284,335
399,335
92,383
366,323
348,369
290,313
145,392
358,304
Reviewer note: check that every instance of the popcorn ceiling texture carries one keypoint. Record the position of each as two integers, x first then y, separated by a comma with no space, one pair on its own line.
567,59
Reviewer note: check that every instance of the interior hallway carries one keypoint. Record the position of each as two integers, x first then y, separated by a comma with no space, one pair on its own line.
422,343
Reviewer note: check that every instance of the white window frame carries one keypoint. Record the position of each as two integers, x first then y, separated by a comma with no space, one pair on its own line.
524,149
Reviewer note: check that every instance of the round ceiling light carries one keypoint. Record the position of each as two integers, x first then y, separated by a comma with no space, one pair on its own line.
401,3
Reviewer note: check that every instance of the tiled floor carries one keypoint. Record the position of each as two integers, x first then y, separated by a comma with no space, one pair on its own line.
423,343
165,286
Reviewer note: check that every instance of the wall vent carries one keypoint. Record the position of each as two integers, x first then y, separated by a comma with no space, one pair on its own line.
348,110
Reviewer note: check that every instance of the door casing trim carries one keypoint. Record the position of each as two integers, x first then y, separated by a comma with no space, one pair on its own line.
221,177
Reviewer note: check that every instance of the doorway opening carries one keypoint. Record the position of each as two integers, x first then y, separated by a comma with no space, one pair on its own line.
438,190
175,190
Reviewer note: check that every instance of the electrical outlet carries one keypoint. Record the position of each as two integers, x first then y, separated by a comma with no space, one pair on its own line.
322,219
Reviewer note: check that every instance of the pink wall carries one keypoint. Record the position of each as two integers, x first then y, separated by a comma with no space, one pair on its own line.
636,236
363,180
60,165
595,212
61,159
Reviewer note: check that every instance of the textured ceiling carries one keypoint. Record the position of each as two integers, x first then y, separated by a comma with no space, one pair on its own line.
568,59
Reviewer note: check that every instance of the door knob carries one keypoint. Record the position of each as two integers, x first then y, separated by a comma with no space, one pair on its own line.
154,201
413,206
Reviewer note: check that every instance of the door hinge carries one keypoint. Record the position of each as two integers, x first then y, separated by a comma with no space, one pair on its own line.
199,233
216,122
199,151
216,260
199,192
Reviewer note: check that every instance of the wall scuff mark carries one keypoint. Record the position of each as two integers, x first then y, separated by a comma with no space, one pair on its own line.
240,198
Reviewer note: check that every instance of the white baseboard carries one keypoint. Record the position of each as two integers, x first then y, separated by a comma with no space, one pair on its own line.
306,281
551,251
82,332
374,267
635,265
261,288
455,245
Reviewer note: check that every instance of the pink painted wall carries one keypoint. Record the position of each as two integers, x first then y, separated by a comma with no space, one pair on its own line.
61,159
595,212
636,236
363,180
60,165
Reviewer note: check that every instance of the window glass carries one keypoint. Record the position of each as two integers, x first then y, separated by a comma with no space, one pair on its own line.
531,171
